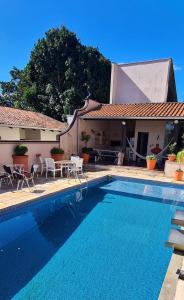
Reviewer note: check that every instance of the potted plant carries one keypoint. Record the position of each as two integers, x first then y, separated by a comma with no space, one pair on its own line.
20,157
172,155
86,154
151,162
57,153
179,172
85,150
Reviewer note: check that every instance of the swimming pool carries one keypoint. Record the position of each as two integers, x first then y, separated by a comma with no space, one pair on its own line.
104,242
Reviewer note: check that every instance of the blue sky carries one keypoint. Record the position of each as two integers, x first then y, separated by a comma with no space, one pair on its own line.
124,31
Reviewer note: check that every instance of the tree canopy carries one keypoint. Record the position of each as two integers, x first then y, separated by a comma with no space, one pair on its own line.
58,75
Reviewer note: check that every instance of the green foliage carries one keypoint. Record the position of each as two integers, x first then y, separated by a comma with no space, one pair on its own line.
14,91
179,170
180,156
20,150
86,150
109,177
172,148
56,150
58,75
85,137
150,157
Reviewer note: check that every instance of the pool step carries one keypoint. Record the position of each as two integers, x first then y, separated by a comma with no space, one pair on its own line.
176,239
178,218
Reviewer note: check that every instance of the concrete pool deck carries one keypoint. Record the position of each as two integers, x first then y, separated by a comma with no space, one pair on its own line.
172,289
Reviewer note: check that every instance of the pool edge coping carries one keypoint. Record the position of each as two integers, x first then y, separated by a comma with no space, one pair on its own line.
170,283
62,190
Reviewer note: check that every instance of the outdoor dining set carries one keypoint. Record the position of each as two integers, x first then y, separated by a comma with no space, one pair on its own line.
10,173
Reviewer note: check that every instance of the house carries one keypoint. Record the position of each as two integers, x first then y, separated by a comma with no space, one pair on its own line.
23,125
39,132
143,82
143,108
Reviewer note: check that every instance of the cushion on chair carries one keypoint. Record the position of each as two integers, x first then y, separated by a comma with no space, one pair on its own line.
7,169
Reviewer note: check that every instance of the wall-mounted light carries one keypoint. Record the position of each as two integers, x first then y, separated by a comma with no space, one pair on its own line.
123,123
176,122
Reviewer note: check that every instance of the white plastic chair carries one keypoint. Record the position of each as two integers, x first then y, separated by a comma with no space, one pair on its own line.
35,170
25,177
8,171
51,166
74,156
6,176
76,168
42,164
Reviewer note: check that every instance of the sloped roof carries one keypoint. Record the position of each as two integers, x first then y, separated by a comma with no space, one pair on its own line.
88,106
143,82
27,119
170,110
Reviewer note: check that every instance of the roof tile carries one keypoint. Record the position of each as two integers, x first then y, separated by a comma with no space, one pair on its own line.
27,119
138,110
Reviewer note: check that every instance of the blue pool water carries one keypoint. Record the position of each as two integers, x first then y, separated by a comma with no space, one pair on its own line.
106,242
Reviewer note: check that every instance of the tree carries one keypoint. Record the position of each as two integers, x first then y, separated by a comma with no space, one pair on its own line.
57,76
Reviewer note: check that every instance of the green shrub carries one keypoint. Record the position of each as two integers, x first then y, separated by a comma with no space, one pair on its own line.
20,150
172,148
86,150
180,156
56,150
85,138
150,157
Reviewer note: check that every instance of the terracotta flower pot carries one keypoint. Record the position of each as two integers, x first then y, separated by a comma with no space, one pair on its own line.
57,157
85,157
151,163
178,175
21,160
171,157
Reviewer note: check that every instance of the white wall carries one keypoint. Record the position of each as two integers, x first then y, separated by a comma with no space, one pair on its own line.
139,82
32,134
104,131
10,134
6,150
171,167
22,133
98,130
13,134
155,129
101,132
49,135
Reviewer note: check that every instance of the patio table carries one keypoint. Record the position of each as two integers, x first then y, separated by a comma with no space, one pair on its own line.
64,163
101,153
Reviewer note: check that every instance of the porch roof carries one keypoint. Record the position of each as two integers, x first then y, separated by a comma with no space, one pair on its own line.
170,110
14,117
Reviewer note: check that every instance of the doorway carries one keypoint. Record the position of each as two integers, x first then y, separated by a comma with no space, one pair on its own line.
142,143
